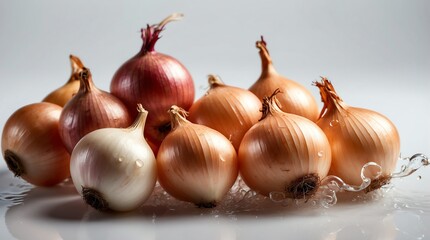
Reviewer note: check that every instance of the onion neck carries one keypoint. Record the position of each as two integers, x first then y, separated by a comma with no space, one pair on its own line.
177,117
86,81
270,105
329,97
77,67
150,34
214,81
267,67
13,162
139,124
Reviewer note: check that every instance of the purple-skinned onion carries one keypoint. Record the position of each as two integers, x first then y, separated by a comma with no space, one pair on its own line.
155,80
90,109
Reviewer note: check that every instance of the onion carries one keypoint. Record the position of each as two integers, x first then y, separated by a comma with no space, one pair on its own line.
293,97
90,109
32,147
115,168
196,163
156,80
63,94
284,153
357,136
227,109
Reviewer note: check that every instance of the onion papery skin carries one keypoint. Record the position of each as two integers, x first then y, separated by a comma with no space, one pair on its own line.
293,97
155,80
63,94
227,109
357,136
31,135
91,109
118,164
279,150
197,164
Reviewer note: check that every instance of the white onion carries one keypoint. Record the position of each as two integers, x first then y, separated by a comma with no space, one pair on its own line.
114,168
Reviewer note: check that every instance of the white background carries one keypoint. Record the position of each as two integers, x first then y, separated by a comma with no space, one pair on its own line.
376,53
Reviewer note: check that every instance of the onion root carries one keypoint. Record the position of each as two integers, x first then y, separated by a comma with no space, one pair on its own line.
13,163
378,183
206,204
304,187
94,199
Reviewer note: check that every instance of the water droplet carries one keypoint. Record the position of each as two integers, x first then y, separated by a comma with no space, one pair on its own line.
139,163
320,154
419,177
334,123
277,196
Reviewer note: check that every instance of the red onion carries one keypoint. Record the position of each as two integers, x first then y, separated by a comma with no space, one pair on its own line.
90,109
155,80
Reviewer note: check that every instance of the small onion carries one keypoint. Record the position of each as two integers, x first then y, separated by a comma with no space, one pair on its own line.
293,98
284,153
196,163
114,168
156,80
90,109
227,109
64,93
32,147
357,136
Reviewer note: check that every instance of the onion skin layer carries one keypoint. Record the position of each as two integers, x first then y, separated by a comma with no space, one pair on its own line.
357,136
227,109
31,134
157,81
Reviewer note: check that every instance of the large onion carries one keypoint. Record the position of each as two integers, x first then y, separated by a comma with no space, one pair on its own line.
357,136
196,163
284,153
32,147
155,80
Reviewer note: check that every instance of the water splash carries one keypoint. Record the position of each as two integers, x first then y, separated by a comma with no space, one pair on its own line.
331,185
414,163
242,199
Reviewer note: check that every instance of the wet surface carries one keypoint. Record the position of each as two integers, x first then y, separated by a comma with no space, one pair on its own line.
397,211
